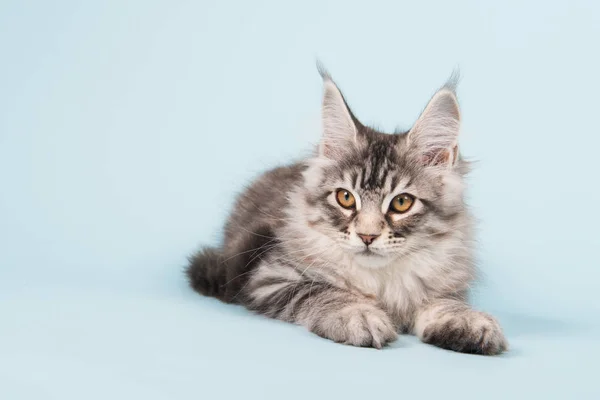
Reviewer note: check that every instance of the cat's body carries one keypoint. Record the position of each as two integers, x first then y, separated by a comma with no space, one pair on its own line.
368,238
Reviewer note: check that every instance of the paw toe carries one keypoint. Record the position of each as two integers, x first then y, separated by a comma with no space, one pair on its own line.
484,339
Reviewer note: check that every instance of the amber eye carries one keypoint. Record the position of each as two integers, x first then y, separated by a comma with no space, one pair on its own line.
402,203
345,198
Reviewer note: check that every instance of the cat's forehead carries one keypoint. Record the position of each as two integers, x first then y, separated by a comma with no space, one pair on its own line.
371,179
379,166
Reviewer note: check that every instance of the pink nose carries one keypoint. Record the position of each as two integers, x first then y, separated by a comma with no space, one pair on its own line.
367,239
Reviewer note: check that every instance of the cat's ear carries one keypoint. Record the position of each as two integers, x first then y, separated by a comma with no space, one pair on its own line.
339,129
435,134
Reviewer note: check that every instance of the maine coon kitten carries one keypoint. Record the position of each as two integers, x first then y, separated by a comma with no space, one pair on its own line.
368,238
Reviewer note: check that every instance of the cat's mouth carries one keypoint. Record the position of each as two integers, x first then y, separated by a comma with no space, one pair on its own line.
368,252
370,259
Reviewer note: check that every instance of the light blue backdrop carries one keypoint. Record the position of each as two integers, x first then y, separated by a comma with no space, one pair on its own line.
126,129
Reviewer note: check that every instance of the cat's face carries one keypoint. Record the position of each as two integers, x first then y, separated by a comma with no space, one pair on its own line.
379,197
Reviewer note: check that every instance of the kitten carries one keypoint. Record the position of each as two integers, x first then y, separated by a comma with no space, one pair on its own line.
367,239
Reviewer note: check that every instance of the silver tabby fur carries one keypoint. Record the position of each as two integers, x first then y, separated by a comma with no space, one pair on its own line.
291,252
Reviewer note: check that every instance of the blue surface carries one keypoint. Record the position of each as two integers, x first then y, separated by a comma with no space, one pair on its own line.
126,129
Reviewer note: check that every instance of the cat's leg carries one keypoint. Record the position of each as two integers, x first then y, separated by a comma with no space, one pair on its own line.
281,291
454,325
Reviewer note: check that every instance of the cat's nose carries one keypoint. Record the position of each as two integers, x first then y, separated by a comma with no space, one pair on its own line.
367,239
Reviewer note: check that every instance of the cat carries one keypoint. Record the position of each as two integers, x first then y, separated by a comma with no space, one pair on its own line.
368,238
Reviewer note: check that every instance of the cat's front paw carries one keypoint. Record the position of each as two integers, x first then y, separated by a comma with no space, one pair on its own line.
358,325
475,333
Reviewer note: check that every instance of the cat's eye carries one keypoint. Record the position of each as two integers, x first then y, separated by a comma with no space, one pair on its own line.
345,199
402,203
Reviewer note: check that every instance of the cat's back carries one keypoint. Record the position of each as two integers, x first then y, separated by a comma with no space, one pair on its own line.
260,207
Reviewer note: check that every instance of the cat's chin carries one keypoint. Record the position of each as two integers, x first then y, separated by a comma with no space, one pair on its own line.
372,260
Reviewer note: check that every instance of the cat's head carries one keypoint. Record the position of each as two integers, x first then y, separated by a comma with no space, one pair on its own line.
379,197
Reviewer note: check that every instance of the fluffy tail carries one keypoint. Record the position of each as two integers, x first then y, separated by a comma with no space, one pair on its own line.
209,274
224,276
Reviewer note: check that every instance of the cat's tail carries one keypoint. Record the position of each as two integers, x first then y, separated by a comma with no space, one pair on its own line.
208,274
224,275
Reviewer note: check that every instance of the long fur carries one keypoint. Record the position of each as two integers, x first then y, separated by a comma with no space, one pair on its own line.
292,252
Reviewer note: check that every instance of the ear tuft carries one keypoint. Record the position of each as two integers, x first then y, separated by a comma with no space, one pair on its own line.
323,71
453,81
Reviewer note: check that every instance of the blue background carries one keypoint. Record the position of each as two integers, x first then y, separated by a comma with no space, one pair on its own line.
127,128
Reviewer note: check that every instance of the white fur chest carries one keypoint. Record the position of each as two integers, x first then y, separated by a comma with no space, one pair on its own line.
407,283
398,287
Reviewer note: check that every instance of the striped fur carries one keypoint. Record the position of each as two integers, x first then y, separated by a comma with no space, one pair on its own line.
291,251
